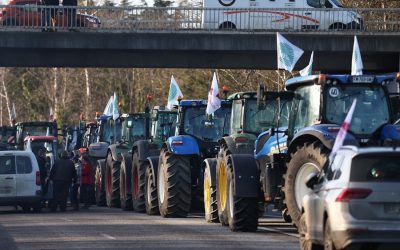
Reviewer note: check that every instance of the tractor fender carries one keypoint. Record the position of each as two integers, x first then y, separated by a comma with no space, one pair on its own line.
142,147
322,133
247,175
183,145
229,142
210,165
153,164
98,149
101,164
117,150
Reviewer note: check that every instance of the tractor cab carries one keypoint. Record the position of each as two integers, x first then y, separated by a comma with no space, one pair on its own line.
34,129
163,124
7,137
134,127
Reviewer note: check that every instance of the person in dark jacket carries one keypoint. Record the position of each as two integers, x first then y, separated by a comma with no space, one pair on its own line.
49,13
62,174
71,12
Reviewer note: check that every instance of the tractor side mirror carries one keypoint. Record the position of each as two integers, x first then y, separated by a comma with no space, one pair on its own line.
261,97
312,180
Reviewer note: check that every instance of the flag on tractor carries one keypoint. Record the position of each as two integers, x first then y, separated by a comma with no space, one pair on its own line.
214,102
52,117
356,60
307,71
109,107
13,113
174,93
288,53
115,111
343,131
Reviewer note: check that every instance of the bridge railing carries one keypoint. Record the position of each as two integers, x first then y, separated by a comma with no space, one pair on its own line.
133,19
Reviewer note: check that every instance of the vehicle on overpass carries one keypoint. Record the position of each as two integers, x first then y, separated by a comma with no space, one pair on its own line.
28,13
145,153
36,128
279,15
320,105
118,162
180,174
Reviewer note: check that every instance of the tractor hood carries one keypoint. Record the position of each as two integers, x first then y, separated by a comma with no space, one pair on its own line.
98,149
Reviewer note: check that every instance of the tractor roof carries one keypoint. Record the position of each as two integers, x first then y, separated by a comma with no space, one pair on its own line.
44,123
243,95
340,79
190,103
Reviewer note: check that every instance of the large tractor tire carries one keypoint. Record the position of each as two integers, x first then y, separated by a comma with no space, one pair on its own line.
100,192
306,244
138,183
125,184
174,185
242,212
309,158
222,184
112,182
151,199
210,199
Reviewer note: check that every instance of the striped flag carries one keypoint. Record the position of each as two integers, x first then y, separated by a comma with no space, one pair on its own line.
343,131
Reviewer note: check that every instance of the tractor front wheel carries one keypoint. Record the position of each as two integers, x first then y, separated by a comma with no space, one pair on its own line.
138,183
99,185
112,182
151,193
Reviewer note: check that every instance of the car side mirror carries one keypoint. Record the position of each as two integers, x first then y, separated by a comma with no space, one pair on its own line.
312,180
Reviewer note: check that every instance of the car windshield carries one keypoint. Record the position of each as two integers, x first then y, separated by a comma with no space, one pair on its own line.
370,112
375,168
204,127
259,120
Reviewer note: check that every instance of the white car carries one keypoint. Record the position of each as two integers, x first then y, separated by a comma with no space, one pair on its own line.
20,180
355,202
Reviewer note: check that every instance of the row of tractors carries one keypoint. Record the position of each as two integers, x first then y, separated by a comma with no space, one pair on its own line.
255,151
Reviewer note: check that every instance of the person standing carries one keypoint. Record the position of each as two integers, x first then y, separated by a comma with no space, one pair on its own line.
49,13
71,12
87,180
75,186
41,159
62,174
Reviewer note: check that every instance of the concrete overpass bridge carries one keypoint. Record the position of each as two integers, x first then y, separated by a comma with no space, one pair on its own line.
189,45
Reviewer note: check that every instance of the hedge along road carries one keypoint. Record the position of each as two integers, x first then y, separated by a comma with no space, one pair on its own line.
104,228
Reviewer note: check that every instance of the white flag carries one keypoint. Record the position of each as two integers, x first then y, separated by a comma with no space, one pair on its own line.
108,109
174,93
115,111
13,113
356,60
214,102
307,71
288,54
343,131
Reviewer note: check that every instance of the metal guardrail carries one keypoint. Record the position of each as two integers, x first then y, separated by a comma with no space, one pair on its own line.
133,19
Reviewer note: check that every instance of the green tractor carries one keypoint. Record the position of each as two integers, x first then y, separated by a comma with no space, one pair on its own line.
162,125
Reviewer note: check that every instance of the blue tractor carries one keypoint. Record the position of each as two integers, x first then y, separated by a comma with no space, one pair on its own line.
242,176
320,104
179,174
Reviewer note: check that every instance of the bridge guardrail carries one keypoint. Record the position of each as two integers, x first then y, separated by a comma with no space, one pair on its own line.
132,19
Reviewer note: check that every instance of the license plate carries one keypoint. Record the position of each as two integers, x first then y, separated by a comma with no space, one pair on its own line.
362,79
392,208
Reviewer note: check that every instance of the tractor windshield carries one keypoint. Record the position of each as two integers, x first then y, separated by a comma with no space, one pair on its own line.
135,129
371,110
259,120
198,124
48,146
164,126
110,131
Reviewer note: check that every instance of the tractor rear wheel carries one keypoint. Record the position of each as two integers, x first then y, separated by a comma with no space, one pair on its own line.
210,199
124,185
242,212
151,193
222,184
112,182
138,183
309,158
174,185
100,192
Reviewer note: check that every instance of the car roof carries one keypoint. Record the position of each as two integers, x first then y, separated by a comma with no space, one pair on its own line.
370,150
17,152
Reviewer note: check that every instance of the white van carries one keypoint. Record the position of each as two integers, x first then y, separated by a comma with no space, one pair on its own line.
20,180
278,15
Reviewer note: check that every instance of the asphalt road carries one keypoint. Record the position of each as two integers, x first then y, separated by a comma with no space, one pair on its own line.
105,228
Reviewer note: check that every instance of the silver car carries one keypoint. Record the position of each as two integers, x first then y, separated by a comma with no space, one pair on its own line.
355,202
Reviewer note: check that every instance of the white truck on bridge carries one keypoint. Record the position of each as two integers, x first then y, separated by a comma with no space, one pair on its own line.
279,15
